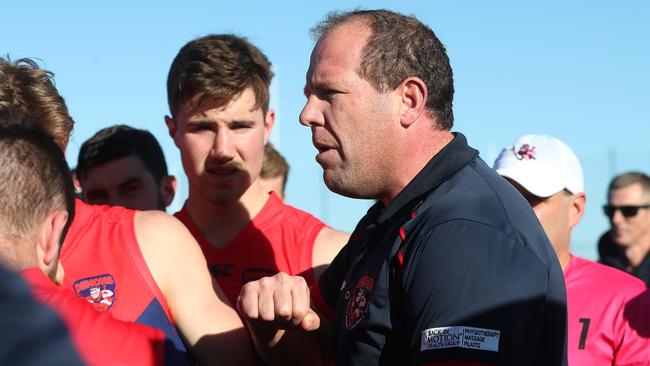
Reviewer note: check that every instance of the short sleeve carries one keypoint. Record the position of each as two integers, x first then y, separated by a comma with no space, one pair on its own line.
472,293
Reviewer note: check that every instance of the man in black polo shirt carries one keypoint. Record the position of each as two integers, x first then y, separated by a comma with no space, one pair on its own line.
451,267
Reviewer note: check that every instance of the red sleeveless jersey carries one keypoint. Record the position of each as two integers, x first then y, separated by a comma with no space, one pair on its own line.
103,265
280,238
99,338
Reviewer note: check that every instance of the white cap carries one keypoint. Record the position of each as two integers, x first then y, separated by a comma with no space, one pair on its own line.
543,165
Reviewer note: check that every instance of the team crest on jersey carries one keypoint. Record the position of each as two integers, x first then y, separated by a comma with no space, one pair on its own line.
358,302
525,152
97,290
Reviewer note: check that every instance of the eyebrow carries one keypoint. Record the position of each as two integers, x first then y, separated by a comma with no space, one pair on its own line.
242,122
199,122
323,85
130,180
206,123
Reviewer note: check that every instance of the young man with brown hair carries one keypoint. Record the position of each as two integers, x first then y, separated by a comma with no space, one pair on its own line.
36,209
218,93
146,265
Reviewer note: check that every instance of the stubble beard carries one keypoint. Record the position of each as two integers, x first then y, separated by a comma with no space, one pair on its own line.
350,182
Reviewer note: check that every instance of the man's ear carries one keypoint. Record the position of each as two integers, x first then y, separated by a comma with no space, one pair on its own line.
168,189
50,239
413,99
171,127
576,209
269,121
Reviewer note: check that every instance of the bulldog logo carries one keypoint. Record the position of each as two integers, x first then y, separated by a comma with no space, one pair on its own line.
358,303
97,290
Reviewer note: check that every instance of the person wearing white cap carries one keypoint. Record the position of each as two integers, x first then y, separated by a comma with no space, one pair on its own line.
606,307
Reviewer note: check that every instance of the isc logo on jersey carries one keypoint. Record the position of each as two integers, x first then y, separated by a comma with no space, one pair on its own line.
97,290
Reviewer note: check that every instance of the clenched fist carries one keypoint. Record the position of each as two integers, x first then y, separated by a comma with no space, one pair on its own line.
282,300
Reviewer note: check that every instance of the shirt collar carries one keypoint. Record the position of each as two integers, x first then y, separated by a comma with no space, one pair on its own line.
455,155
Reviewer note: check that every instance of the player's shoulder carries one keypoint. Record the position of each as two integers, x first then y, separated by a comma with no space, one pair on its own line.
158,226
165,244
91,223
293,216
606,277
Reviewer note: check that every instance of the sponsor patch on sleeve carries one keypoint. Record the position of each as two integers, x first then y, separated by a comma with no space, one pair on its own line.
460,337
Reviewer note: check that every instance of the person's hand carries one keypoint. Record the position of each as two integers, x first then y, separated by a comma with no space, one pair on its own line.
281,301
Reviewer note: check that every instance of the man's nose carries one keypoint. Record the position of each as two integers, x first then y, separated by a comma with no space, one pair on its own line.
222,146
311,114
617,217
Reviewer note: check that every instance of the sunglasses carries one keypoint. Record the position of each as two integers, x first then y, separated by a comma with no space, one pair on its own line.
626,211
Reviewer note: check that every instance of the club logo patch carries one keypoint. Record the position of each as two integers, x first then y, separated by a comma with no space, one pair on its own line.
97,290
358,302
525,152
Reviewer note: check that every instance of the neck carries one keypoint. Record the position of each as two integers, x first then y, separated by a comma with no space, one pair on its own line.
420,146
564,257
635,254
14,258
221,222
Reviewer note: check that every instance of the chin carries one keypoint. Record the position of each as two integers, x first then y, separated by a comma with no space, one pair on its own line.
221,196
344,188
224,200
620,240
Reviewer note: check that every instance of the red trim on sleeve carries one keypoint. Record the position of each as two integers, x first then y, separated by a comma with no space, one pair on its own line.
400,257
320,303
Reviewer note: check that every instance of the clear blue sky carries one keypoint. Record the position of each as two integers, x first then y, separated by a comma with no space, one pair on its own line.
577,70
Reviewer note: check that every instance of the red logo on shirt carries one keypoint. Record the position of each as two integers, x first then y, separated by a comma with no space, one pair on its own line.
358,303
526,152
97,290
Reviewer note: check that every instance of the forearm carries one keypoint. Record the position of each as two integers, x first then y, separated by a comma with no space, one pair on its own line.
228,348
291,346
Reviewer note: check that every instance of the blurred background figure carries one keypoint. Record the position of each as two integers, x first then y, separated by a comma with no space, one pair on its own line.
605,312
124,166
626,245
275,171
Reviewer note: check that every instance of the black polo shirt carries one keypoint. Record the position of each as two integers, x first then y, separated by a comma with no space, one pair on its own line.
457,267
611,254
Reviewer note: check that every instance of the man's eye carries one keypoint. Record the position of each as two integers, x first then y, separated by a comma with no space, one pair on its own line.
330,93
130,189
